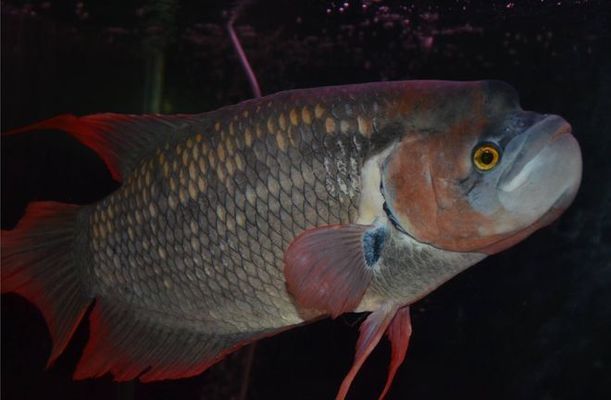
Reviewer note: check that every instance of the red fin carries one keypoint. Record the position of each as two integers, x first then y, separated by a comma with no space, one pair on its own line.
326,268
370,333
131,345
121,140
40,261
399,332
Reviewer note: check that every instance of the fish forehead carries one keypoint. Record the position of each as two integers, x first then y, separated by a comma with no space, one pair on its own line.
421,100
440,107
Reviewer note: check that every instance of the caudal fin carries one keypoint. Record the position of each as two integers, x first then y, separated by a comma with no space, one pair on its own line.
41,261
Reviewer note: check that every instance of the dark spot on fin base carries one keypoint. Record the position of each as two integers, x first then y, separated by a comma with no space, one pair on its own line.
41,262
328,268
121,140
373,242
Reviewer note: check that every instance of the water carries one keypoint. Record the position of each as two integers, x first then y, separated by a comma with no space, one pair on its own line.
531,323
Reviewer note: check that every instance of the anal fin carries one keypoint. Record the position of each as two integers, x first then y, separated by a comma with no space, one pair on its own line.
130,345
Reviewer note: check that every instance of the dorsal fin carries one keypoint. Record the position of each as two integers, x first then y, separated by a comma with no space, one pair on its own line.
120,139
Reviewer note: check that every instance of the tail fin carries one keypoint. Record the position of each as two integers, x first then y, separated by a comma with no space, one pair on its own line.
40,261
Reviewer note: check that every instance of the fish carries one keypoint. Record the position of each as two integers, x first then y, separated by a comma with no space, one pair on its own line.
240,223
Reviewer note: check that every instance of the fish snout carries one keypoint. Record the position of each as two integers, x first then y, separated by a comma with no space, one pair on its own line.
545,172
570,166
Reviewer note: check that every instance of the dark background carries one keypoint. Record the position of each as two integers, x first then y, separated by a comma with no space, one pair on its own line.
531,323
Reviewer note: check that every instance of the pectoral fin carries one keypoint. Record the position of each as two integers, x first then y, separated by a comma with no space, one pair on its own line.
329,268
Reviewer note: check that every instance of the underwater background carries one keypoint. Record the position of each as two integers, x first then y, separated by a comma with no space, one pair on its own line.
533,322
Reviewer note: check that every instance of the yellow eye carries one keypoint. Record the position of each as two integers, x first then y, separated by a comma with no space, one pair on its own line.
486,157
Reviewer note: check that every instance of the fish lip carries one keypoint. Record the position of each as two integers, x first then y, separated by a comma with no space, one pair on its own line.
565,199
543,133
548,164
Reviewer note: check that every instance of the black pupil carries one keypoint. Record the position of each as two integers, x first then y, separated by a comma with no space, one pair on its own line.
487,157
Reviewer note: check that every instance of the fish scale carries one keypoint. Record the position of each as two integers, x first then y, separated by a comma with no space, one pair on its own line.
163,198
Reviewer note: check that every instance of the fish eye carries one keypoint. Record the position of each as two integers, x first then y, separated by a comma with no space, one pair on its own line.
486,156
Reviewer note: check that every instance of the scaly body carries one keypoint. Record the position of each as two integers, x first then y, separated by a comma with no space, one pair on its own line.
200,229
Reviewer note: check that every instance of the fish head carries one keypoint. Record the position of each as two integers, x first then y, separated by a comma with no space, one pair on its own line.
476,173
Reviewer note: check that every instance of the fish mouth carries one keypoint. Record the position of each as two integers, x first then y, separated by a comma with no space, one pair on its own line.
545,168
526,147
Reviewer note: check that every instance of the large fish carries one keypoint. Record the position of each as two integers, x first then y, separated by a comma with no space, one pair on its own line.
239,223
